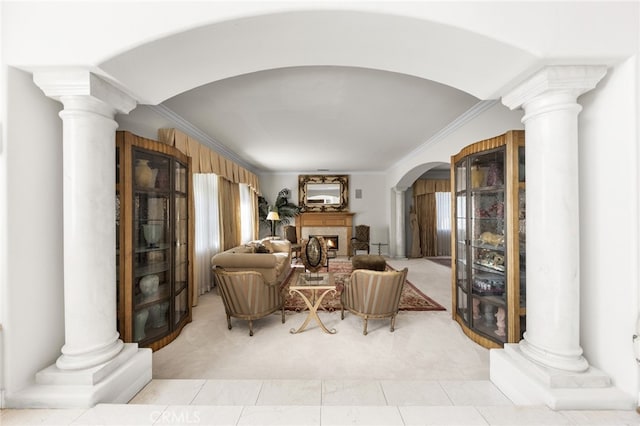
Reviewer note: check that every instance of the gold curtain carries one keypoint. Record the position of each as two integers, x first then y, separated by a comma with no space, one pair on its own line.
205,160
230,175
229,200
424,202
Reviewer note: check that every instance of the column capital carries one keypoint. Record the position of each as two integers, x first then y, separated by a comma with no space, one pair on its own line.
572,80
64,83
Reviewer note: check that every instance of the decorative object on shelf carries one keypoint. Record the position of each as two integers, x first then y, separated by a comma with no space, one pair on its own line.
149,285
139,324
477,176
152,233
494,174
158,315
491,239
145,175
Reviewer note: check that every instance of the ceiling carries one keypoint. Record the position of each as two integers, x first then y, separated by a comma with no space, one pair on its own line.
321,118
358,88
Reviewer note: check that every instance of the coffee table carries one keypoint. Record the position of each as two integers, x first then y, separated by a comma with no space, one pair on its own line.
313,284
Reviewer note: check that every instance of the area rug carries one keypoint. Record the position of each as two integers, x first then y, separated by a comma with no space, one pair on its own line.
411,299
444,261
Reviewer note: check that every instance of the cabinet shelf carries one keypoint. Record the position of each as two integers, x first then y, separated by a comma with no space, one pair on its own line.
489,258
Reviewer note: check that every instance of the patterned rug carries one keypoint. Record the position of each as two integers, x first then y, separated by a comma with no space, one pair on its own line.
444,261
411,299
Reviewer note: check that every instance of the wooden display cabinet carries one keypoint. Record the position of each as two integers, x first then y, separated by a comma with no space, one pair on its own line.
154,243
488,239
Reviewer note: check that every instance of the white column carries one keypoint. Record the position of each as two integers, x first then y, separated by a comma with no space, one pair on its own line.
553,270
550,350
89,129
400,249
95,366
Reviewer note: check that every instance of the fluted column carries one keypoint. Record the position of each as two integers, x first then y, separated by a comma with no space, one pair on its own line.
549,100
399,243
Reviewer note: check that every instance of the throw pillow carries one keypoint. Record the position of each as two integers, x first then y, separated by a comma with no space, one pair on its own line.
261,248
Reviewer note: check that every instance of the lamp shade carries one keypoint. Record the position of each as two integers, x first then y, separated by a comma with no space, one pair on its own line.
273,216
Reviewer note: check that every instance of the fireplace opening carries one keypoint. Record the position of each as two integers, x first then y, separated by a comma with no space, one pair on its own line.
331,240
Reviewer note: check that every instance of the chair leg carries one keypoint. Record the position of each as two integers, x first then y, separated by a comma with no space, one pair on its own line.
393,323
283,314
229,321
365,327
342,313
250,328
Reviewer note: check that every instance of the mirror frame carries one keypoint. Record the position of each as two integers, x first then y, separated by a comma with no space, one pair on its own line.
343,180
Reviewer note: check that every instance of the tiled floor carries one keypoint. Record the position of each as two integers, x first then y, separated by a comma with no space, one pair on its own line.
317,402
425,373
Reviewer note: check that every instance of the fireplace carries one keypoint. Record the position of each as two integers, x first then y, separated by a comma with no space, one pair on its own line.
327,224
331,240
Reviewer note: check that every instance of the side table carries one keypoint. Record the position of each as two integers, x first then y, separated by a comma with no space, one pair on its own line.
313,284
379,246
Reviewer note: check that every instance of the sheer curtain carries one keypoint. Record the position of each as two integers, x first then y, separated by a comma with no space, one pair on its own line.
443,224
207,232
246,214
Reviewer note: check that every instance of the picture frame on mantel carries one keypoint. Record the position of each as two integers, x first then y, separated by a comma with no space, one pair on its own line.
323,193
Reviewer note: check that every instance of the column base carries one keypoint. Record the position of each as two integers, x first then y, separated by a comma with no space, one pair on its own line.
115,381
528,383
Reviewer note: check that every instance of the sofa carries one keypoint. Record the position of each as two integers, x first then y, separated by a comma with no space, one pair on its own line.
271,258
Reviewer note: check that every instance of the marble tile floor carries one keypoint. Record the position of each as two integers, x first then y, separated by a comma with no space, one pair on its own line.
425,373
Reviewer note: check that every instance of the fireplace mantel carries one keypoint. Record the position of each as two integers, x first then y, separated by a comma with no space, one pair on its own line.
327,220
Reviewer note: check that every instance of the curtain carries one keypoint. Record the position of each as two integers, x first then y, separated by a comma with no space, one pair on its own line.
246,214
424,202
229,199
207,227
443,224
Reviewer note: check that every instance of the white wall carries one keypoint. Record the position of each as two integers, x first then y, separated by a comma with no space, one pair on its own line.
608,154
32,286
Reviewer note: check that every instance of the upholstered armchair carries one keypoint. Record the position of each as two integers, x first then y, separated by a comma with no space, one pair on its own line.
291,235
360,241
373,294
245,295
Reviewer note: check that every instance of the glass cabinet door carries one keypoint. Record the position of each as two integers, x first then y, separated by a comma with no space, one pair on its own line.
488,245
488,288
181,244
153,195
152,245
462,282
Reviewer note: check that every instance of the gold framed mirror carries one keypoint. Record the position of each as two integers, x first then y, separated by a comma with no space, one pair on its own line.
323,192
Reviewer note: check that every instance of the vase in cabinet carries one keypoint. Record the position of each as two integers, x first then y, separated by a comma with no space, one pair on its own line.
488,223
155,240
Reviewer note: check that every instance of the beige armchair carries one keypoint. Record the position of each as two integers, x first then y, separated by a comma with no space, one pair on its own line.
246,296
373,294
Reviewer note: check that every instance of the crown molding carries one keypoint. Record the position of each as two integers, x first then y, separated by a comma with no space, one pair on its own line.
454,125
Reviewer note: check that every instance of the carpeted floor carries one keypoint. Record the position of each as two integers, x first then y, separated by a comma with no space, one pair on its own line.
412,299
424,346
